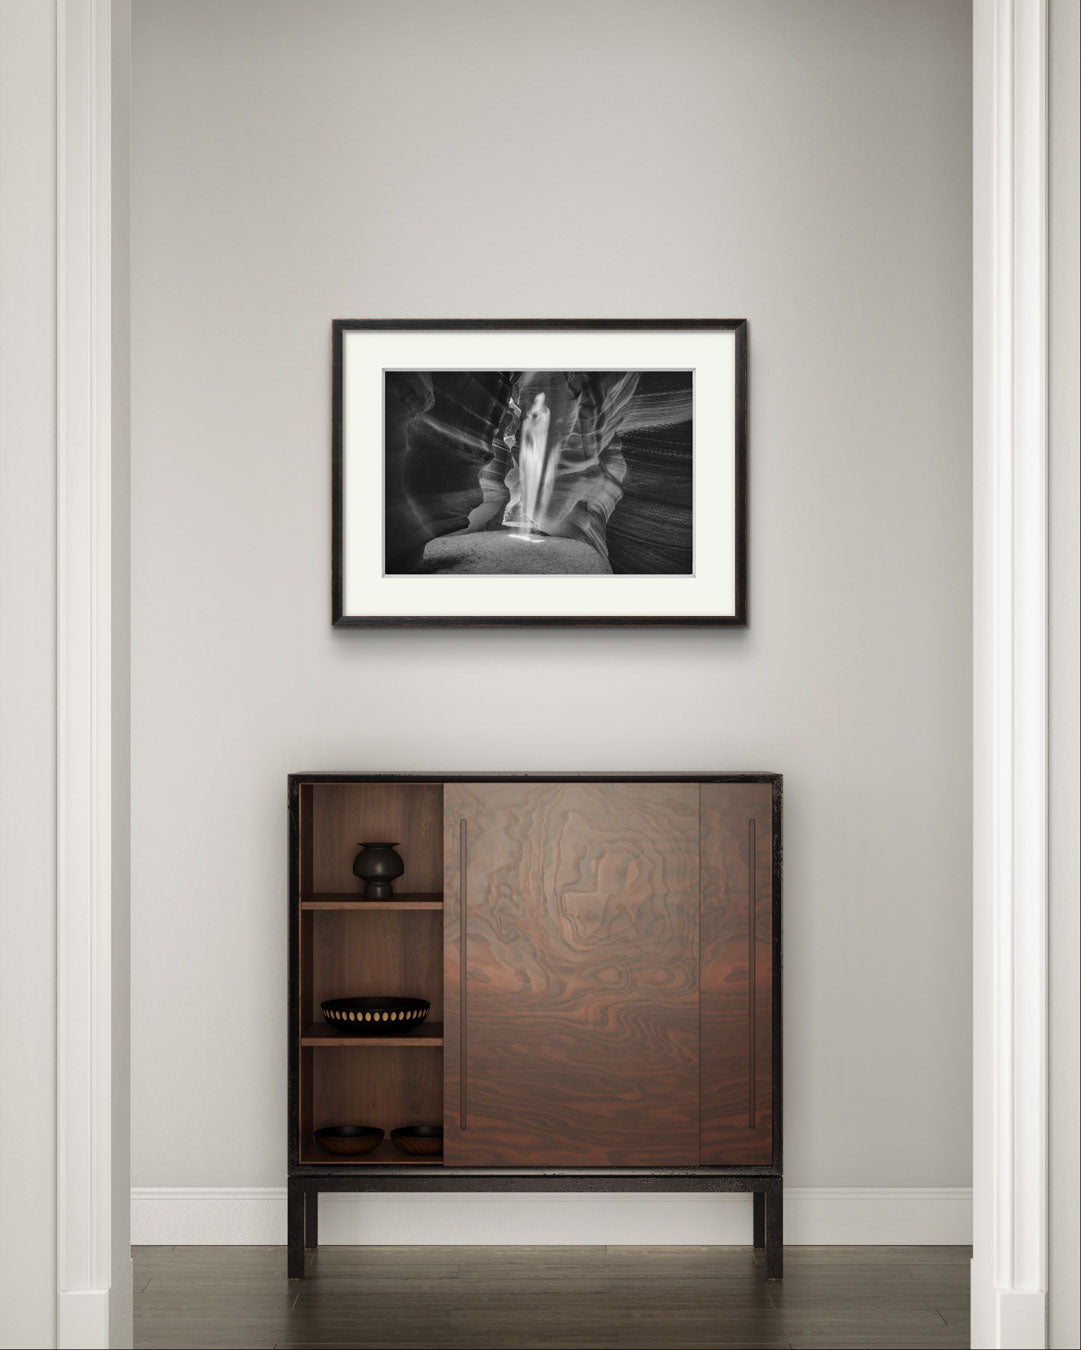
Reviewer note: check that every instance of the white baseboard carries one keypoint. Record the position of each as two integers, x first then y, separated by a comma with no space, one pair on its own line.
878,1216
179,1216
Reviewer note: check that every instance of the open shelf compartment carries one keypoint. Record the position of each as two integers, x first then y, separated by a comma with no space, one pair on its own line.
349,947
389,1087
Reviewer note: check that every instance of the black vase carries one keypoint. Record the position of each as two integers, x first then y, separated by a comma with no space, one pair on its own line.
377,865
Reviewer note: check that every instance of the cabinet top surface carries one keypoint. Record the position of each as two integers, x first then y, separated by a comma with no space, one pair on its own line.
354,776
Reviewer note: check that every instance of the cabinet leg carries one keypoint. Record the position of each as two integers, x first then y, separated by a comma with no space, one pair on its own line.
311,1219
759,1219
295,1231
774,1223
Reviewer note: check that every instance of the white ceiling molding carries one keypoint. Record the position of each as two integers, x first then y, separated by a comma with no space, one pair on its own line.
1010,519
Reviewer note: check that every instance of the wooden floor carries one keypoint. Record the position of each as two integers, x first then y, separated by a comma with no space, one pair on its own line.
591,1297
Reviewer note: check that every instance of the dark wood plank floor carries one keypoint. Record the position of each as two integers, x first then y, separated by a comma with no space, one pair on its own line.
581,1298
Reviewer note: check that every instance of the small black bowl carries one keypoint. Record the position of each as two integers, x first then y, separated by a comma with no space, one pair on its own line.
375,1016
423,1140
349,1139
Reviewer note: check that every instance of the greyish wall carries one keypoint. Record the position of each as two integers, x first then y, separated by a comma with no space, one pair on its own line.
806,166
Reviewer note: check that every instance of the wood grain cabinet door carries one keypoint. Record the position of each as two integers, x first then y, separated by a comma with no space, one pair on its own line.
737,973
571,976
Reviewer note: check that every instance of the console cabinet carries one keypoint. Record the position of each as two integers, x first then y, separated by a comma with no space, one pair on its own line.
602,957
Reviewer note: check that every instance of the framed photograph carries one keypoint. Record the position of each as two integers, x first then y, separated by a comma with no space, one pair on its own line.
531,471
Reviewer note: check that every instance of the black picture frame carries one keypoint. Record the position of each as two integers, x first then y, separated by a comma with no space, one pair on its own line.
737,618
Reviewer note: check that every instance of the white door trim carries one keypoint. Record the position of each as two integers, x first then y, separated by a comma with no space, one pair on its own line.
1010,582
89,337
27,672
1010,573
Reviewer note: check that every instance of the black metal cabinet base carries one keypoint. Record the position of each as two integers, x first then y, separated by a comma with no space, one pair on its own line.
305,1185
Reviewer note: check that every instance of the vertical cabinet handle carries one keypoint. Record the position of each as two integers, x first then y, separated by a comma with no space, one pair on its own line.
463,907
752,1038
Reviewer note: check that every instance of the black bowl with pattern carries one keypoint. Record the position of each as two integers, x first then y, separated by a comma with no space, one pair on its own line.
375,1016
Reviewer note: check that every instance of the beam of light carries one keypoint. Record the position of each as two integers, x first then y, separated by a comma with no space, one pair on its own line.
536,467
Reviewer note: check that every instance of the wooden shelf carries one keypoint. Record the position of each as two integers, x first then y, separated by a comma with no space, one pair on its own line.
323,1033
350,900
385,1155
